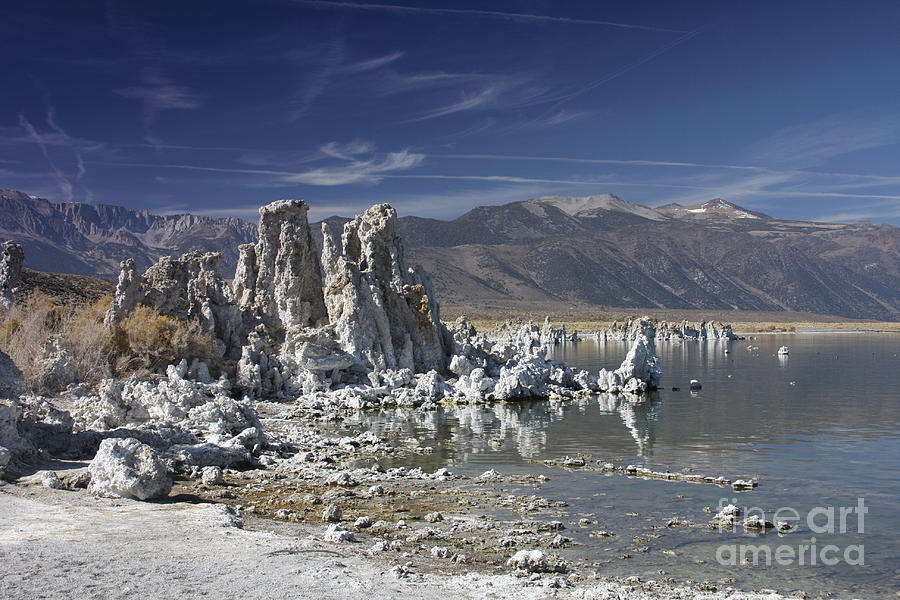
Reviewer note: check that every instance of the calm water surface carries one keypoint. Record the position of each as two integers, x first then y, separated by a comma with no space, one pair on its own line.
819,428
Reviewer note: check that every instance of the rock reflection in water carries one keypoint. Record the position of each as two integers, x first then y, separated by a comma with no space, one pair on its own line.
522,428
641,415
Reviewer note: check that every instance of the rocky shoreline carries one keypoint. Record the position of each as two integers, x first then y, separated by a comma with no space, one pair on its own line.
61,543
326,485
302,343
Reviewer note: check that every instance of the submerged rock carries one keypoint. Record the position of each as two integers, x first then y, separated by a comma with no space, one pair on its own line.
631,329
126,468
641,368
757,523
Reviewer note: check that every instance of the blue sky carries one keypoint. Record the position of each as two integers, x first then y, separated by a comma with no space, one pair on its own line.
437,107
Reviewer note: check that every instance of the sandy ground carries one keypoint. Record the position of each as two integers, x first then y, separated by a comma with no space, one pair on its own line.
68,544
58,544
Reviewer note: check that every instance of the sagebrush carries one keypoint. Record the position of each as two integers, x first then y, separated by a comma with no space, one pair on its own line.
38,330
148,341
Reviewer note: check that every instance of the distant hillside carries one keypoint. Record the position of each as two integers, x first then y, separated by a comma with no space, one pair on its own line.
555,250
64,288
92,239
713,256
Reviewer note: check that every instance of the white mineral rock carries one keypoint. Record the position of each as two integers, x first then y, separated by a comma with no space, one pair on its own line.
50,479
642,364
664,330
11,258
189,288
337,534
212,476
332,513
278,280
126,468
383,312
441,552
533,561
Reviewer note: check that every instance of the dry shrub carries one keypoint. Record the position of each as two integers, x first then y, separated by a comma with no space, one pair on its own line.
28,331
87,340
144,342
148,341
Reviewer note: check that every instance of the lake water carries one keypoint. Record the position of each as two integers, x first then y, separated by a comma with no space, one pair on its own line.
819,428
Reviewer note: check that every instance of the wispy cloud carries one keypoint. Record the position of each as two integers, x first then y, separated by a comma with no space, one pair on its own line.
65,186
554,119
330,68
372,64
814,143
15,136
481,91
351,170
561,98
157,93
392,82
347,151
10,175
473,93
470,91
603,183
855,179
467,101
597,161
877,211
320,80
478,13
501,179
357,171
51,121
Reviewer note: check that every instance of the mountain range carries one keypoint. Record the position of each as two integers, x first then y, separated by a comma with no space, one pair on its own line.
595,250
604,250
91,239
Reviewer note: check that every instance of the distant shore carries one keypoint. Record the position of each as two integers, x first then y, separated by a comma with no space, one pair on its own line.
589,319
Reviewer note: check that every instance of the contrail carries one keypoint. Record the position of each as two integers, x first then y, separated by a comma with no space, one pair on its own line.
629,67
495,14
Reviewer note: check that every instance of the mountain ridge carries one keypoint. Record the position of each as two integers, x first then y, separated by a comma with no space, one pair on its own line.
592,250
91,239
714,255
